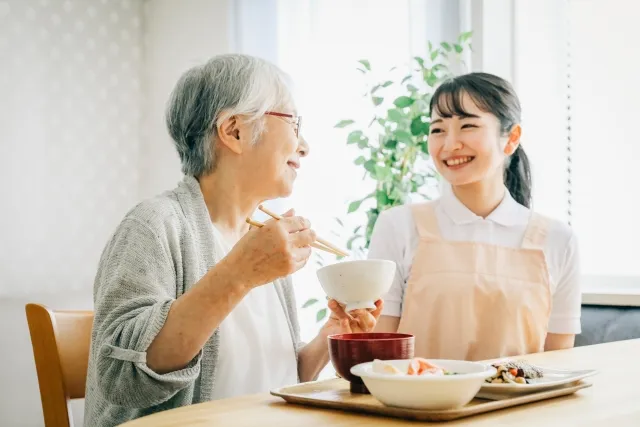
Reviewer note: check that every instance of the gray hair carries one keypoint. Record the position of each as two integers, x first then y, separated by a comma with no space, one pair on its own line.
206,95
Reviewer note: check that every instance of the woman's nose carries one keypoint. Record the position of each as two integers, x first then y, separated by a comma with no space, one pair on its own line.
452,141
303,147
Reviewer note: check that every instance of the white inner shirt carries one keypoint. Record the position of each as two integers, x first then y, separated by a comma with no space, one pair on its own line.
395,237
256,352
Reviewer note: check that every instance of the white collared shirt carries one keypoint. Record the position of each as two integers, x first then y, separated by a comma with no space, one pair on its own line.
395,238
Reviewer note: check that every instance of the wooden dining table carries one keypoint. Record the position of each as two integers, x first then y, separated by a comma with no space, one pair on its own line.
612,401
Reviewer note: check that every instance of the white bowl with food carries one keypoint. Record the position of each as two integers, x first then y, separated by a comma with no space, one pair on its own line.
422,384
357,284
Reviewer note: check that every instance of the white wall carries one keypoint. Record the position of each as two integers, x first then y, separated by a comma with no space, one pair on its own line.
78,78
177,35
69,137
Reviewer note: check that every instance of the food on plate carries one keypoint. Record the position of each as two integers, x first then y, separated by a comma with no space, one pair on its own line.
417,367
514,372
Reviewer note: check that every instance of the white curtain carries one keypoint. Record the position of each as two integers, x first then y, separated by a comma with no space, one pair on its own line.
578,83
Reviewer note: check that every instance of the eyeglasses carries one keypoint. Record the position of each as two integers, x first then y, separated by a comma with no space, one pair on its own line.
297,120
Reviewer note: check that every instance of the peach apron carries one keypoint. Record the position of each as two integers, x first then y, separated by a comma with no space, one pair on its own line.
476,301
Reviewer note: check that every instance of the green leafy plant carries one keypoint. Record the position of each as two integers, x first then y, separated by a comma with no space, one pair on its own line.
392,146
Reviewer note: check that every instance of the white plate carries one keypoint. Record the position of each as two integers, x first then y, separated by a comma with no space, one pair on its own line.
552,378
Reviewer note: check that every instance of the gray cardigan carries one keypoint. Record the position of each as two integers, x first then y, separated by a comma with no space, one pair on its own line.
162,247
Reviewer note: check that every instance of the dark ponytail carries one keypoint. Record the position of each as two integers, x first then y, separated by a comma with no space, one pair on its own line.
494,95
517,177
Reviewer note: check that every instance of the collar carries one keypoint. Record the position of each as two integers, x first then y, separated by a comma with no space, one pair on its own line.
508,213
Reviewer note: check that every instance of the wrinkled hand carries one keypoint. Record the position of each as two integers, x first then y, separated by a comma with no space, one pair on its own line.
278,249
359,321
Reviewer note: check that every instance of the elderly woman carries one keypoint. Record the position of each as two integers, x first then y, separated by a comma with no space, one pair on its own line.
191,305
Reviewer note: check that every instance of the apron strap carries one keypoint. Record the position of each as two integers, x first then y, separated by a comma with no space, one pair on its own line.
424,215
535,237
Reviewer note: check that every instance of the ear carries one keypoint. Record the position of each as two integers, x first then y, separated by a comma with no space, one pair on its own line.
229,135
514,140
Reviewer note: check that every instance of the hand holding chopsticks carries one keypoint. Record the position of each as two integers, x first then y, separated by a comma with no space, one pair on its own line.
318,244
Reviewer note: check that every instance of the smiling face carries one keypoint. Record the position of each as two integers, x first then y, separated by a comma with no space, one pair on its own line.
267,163
275,158
466,143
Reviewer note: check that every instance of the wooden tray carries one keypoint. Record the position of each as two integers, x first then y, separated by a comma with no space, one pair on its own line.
335,394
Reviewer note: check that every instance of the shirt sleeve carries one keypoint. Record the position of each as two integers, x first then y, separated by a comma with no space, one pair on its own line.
567,299
387,244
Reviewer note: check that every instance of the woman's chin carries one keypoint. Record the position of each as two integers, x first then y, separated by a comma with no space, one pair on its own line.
283,189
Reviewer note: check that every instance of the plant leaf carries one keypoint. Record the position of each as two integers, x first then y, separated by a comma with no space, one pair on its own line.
382,173
457,48
377,100
354,137
426,126
465,36
424,147
403,136
360,160
431,79
339,221
412,88
321,314
403,101
430,46
390,144
395,115
417,126
387,83
344,123
382,198
446,46
366,64
351,240
354,206
434,55
309,303
363,143
406,78
370,165
420,61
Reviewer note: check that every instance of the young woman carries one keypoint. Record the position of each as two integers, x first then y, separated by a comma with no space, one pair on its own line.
480,275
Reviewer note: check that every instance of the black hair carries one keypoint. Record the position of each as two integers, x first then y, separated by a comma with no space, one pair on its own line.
494,95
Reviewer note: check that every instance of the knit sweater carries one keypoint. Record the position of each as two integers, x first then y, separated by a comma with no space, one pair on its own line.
162,247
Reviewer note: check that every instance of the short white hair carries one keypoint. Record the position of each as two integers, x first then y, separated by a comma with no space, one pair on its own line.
207,95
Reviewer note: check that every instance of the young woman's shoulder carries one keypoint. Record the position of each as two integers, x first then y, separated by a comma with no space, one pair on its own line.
560,234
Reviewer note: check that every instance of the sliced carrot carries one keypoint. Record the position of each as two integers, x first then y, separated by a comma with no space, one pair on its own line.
414,367
425,365
514,372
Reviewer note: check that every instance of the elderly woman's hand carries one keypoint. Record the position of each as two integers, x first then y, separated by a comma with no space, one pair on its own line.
278,249
359,321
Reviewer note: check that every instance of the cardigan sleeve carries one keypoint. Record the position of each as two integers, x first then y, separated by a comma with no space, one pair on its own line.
134,289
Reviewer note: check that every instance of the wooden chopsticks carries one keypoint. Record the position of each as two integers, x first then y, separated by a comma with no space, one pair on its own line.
318,244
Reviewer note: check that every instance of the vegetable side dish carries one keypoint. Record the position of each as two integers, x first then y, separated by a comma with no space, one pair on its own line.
514,372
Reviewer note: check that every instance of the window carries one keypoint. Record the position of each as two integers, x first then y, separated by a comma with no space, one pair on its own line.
576,73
